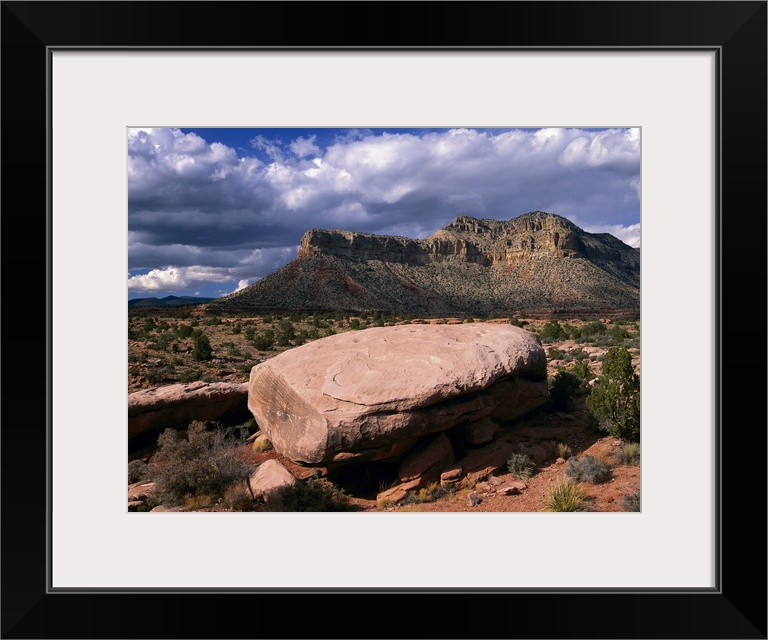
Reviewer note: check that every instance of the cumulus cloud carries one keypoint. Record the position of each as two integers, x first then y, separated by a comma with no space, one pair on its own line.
629,235
199,211
303,147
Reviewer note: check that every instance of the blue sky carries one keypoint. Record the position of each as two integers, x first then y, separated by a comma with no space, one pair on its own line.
213,210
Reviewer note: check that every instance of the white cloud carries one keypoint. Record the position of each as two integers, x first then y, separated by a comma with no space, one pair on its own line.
628,234
242,284
304,147
176,278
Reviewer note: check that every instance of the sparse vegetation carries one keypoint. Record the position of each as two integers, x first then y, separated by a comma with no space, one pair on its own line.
311,495
566,495
631,502
237,498
587,469
201,467
563,450
553,353
630,454
520,465
433,491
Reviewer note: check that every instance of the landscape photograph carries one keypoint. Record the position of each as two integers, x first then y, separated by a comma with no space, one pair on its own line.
383,320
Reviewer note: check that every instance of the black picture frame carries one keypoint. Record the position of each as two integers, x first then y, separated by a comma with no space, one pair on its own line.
735,609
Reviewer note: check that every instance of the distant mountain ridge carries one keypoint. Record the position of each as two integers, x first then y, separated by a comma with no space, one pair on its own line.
537,261
168,301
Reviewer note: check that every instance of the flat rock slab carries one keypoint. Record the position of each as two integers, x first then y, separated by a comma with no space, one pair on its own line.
176,405
369,395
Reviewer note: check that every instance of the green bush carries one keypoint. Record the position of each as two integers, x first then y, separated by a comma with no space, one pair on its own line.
264,341
587,470
311,495
285,332
204,465
615,401
520,465
202,349
555,354
564,387
184,330
566,496
583,370
552,331
595,328
619,334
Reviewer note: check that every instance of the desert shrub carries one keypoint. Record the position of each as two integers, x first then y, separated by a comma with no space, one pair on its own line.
137,471
433,491
566,496
520,465
204,465
301,338
564,387
595,328
578,354
236,328
264,341
630,454
153,376
583,370
249,333
555,354
587,470
354,324
237,498
563,450
190,375
631,502
619,334
615,401
311,495
285,331
552,331
202,349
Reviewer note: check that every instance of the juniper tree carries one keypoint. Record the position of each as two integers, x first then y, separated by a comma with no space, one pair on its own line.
615,401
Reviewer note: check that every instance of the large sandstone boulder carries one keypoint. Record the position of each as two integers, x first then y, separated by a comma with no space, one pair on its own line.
372,394
176,405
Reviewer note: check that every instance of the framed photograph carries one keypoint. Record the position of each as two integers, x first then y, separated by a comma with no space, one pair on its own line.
690,78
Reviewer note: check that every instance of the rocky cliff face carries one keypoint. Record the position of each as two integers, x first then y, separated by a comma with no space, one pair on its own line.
532,262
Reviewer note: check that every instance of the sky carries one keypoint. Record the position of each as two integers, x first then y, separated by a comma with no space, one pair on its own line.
211,211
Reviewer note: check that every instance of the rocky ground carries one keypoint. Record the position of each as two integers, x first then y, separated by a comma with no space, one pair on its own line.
546,429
